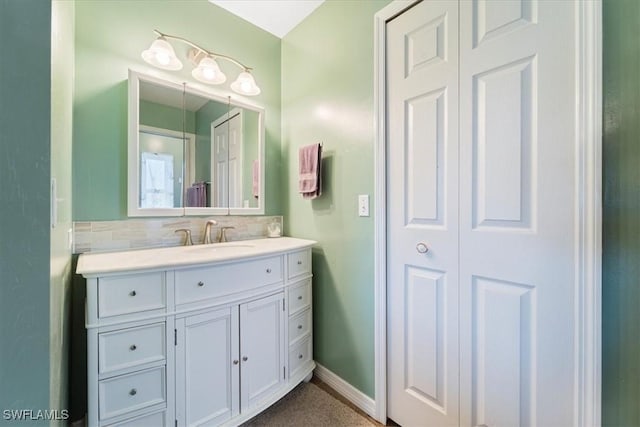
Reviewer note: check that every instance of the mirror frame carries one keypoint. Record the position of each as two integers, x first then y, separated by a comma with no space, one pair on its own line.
133,156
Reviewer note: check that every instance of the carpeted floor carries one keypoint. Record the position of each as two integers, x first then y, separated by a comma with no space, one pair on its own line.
309,405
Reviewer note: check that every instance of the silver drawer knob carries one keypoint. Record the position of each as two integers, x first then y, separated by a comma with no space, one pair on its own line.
299,326
300,356
201,284
133,392
422,248
299,262
300,297
235,362
132,294
133,347
245,358
268,270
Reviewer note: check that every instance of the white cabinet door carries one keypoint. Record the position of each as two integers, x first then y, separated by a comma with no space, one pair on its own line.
261,348
207,367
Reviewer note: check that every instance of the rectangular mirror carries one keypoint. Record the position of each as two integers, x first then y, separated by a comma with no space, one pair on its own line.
192,151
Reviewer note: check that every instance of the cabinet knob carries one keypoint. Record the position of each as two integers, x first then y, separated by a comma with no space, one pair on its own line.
300,297
201,284
299,262
299,326
132,294
133,347
235,362
245,358
300,356
133,392
268,270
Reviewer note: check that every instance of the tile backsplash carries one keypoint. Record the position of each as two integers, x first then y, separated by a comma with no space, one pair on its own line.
92,236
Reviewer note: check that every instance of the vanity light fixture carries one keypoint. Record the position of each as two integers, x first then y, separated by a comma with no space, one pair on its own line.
162,55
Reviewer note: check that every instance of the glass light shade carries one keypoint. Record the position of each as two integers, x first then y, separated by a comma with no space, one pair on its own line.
245,84
162,55
208,71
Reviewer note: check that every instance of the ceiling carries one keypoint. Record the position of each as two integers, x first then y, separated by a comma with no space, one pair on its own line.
275,16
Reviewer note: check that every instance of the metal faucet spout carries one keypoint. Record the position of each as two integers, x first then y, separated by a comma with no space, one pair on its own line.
207,231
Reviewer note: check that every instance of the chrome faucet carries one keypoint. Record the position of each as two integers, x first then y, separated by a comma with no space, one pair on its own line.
207,231
187,236
223,234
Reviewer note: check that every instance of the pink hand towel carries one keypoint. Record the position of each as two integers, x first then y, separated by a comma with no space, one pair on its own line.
309,169
256,179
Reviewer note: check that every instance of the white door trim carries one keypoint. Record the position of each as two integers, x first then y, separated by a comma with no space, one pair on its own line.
588,209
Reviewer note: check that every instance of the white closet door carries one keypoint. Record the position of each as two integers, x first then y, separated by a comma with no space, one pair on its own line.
422,191
517,212
235,161
220,164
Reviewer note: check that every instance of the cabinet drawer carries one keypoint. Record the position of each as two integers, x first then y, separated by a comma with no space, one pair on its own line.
299,354
299,326
153,420
300,297
129,294
299,263
198,284
131,392
130,347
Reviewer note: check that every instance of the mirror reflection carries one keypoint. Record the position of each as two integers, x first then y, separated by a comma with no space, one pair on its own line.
226,156
161,147
195,153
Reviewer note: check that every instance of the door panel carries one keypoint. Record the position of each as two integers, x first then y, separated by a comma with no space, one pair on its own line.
262,348
424,326
424,152
503,120
422,97
504,349
517,210
207,385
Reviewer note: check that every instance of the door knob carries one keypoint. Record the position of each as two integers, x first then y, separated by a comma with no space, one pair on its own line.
422,248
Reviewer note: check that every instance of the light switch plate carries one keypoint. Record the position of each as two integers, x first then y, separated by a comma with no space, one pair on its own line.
363,205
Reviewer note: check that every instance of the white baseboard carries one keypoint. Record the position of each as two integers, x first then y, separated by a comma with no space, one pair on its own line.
349,392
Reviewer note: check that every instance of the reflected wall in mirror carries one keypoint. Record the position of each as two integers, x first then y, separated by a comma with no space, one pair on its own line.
192,152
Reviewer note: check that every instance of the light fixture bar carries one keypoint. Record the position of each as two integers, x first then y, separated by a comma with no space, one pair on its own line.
208,52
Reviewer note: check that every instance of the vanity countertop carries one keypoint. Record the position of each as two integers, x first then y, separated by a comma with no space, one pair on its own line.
94,264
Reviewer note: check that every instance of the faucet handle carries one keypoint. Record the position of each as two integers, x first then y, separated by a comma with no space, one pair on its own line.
223,234
187,234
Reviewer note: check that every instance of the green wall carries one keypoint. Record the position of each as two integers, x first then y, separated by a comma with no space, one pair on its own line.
165,117
621,219
110,36
327,96
62,53
25,129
